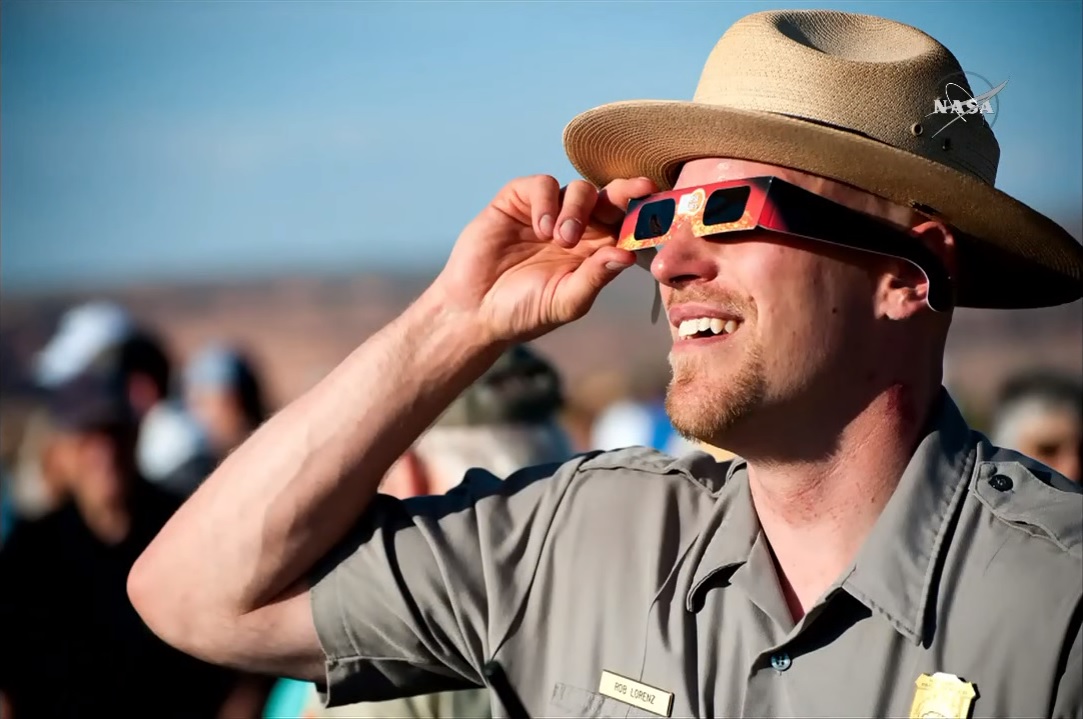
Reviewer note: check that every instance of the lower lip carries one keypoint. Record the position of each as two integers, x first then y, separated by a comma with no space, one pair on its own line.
702,341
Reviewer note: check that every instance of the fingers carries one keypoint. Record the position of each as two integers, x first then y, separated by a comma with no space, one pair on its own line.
596,272
579,199
543,197
613,199
562,214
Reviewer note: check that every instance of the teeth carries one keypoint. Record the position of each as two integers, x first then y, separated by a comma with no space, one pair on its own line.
715,325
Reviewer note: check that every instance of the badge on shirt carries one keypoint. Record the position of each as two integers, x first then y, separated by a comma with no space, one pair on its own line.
942,696
635,693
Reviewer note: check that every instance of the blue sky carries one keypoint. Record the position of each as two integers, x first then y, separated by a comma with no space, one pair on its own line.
186,139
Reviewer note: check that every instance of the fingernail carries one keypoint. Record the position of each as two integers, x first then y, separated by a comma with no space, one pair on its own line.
570,231
546,225
614,266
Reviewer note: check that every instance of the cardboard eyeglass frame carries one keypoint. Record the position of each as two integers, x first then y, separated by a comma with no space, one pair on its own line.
774,205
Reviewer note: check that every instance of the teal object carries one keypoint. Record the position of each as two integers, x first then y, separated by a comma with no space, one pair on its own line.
288,699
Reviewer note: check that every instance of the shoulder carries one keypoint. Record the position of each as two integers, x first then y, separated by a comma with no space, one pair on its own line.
636,498
696,474
1029,500
698,470
635,476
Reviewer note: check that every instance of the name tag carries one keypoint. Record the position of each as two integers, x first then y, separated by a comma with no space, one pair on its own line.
635,693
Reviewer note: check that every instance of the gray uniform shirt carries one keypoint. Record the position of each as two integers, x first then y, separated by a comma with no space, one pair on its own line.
656,571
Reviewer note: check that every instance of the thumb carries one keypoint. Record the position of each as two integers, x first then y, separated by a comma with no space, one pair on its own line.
597,271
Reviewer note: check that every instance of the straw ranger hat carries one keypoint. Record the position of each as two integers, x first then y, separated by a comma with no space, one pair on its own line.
846,97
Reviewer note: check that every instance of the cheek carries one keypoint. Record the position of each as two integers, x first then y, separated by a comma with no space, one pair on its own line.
788,291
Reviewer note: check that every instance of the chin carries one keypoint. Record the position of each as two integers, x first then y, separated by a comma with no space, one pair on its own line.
706,403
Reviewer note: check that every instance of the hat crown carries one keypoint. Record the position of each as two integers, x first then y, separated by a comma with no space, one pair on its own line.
858,73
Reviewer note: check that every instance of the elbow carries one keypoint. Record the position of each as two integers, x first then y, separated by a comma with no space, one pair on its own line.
167,608
150,593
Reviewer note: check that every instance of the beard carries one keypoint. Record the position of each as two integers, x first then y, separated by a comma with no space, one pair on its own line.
708,398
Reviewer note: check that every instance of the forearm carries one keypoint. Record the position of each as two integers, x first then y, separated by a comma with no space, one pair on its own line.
287,495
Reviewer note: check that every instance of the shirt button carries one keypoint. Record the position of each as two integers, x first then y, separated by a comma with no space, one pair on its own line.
781,662
1000,483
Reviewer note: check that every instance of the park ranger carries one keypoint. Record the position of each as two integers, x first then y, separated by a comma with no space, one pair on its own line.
811,222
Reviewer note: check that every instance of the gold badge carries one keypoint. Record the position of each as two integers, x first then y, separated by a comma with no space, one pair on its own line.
942,696
635,693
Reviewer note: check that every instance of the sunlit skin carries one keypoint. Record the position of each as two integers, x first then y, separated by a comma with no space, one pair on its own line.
826,382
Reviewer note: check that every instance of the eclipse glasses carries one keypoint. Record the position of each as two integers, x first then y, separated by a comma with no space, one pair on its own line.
768,203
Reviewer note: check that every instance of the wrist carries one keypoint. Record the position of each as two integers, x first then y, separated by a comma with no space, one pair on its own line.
462,327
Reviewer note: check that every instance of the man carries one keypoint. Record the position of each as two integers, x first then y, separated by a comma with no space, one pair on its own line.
867,555
72,643
1041,415
505,421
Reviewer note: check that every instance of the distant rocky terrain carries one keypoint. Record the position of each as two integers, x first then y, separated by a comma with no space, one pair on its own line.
300,327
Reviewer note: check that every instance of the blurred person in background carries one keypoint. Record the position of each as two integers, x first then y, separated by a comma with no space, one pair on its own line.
72,643
641,420
172,450
32,488
1040,414
223,391
506,420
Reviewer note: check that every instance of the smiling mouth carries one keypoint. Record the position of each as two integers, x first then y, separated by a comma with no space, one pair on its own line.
704,327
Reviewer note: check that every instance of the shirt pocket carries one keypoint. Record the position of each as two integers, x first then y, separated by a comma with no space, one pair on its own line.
568,701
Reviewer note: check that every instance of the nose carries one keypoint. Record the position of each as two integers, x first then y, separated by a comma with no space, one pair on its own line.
684,259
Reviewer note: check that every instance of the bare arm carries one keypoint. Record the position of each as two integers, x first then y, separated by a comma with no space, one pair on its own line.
225,579
226,566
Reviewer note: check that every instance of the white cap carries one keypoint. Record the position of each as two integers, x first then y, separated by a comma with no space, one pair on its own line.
83,334
168,438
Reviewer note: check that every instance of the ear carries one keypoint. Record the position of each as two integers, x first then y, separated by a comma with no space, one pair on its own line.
903,291
406,478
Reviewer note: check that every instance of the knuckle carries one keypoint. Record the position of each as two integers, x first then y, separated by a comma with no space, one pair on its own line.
580,197
544,182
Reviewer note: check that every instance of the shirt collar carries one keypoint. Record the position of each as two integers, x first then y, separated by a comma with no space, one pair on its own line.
894,573
730,532
895,570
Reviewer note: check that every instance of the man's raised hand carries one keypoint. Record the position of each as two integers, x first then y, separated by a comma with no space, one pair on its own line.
538,255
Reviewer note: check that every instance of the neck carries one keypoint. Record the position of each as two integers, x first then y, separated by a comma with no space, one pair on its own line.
816,511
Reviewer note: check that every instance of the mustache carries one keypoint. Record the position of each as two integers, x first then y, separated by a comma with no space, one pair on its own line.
725,300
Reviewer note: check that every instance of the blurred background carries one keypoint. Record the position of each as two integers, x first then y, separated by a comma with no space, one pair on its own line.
274,181
289,175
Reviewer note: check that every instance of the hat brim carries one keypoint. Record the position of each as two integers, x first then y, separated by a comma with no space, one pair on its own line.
1010,256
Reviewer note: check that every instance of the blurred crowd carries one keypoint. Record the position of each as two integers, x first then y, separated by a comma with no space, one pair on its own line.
122,432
